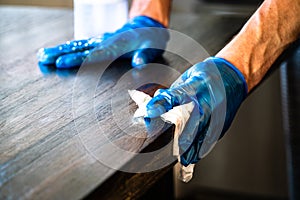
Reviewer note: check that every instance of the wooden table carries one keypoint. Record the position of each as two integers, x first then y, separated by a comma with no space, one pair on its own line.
45,145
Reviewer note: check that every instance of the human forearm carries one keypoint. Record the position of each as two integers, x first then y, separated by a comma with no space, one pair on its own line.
155,9
264,37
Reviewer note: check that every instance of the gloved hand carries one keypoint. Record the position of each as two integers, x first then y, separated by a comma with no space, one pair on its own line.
203,84
72,54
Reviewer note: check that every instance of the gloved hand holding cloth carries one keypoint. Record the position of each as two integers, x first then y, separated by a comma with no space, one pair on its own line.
214,86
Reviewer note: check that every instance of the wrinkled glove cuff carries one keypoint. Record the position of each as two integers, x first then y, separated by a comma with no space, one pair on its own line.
238,72
145,21
235,87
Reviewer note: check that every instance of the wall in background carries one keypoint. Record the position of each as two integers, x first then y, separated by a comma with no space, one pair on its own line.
52,3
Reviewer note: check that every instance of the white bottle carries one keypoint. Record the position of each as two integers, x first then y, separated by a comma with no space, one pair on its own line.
95,17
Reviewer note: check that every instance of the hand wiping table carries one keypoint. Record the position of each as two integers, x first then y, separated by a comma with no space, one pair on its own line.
179,116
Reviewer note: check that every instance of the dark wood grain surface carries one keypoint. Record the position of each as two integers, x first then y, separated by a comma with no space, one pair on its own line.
48,139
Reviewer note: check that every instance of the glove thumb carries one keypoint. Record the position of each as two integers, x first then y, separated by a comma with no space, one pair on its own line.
164,101
145,55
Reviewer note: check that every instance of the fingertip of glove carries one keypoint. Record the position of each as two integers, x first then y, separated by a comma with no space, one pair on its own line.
156,107
138,60
183,162
69,61
43,57
63,63
40,53
60,63
151,114
154,110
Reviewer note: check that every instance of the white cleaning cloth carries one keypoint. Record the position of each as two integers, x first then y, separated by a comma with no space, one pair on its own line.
179,116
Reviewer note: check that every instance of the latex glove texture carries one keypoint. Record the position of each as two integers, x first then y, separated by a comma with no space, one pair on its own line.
140,33
211,85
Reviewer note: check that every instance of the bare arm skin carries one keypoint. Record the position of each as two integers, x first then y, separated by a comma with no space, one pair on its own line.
269,31
156,9
263,38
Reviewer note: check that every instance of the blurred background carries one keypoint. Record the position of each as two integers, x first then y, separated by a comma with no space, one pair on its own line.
52,3
249,162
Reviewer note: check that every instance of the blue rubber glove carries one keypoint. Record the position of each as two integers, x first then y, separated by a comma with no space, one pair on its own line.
72,54
209,85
